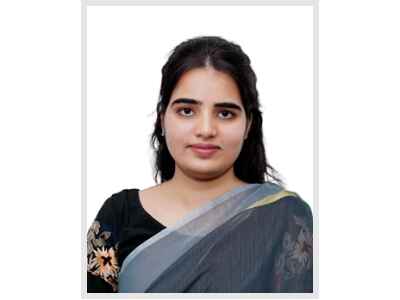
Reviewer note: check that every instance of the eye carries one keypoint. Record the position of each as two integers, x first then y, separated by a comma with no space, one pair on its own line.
185,111
226,114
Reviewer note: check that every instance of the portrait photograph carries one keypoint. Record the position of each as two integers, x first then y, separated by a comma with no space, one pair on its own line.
200,161
214,149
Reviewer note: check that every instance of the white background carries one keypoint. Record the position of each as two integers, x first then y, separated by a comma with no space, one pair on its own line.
40,149
128,45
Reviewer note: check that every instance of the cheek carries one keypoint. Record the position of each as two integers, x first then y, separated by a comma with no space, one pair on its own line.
178,138
233,137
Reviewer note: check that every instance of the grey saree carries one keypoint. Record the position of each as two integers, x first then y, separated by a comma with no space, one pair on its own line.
256,238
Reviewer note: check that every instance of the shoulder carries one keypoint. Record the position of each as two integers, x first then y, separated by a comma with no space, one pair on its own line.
295,204
296,214
295,207
119,198
118,202
287,204
281,198
115,210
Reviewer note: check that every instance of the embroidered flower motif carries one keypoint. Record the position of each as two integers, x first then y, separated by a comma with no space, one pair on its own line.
96,239
296,256
102,259
302,251
105,265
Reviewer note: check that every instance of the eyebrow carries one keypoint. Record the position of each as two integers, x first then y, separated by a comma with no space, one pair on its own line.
219,104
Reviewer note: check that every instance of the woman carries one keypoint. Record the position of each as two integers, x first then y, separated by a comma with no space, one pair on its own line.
216,222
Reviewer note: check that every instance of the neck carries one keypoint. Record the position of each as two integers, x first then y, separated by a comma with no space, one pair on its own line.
194,191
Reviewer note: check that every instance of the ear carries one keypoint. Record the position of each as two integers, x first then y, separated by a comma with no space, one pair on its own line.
249,122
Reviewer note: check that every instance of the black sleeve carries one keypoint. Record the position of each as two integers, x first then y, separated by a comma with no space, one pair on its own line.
102,247
293,267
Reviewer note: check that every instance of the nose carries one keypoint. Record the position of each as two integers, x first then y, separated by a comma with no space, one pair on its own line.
206,127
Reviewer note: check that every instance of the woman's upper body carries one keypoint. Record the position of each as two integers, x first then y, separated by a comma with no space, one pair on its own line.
208,140
122,224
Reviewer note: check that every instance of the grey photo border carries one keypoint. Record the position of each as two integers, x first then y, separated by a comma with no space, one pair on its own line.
314,3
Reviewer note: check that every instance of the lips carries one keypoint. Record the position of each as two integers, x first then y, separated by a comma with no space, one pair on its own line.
205,146
204,150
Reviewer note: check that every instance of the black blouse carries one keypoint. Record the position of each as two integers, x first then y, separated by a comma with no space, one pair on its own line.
120,226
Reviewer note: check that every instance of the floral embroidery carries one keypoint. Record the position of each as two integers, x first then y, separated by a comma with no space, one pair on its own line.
296,256
102,259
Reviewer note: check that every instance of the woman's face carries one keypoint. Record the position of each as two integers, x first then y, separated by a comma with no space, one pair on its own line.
205,108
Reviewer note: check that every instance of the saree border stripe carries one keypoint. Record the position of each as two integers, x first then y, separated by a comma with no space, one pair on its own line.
272,198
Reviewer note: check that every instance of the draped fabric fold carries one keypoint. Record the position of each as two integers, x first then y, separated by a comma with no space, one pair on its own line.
234,243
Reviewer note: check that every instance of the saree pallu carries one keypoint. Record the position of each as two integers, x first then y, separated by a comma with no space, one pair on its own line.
255,238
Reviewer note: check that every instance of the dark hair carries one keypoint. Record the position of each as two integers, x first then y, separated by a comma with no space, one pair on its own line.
251,165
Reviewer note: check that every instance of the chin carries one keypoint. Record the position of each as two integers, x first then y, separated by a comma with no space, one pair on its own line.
205,176
206,171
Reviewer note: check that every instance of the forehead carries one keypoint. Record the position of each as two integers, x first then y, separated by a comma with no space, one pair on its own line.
207,85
